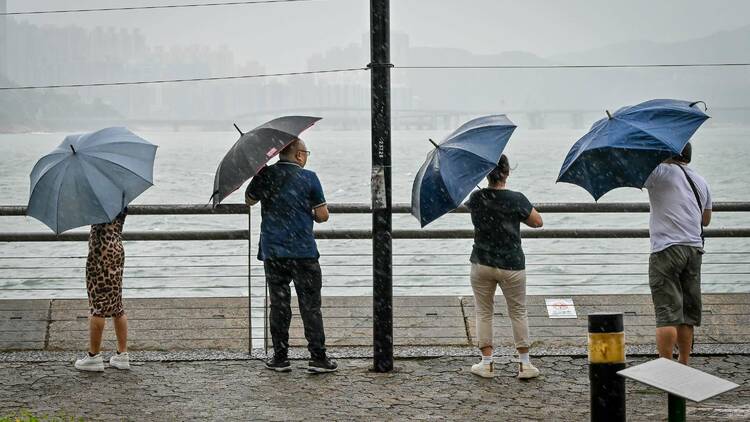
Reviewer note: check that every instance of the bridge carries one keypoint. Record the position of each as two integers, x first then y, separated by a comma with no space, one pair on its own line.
358,118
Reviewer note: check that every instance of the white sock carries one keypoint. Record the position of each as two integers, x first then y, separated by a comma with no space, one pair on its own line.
486,360
524,358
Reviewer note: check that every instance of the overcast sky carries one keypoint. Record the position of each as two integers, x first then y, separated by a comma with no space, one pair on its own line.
283,35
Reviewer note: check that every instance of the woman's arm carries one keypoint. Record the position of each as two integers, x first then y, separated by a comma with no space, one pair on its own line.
534,220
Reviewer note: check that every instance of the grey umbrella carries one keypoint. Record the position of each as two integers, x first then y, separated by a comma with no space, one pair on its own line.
89,178
253,150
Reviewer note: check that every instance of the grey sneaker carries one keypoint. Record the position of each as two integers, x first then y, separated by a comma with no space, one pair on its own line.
121,361
90,363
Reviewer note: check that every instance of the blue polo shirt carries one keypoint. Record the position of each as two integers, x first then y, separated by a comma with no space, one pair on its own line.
287,194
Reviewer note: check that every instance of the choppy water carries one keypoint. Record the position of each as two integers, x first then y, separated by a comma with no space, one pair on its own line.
184,174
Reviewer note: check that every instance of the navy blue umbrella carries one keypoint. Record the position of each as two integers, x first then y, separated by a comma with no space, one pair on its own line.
622,150
454,167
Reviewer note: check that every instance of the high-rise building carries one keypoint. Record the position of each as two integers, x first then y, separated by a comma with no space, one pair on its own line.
3,38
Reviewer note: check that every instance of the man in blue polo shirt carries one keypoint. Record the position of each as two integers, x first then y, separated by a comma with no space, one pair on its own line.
291,201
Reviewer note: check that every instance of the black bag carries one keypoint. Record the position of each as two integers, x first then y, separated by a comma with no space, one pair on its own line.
698,200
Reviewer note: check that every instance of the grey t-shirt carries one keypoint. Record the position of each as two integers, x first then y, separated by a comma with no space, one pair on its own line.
675,216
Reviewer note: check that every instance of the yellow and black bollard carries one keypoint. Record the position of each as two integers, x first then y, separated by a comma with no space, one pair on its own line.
606,357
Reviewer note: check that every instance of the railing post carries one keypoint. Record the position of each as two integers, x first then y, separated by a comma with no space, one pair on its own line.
676,408
249,280
265,318
606,357
382,259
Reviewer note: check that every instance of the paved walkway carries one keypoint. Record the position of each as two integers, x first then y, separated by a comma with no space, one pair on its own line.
427,389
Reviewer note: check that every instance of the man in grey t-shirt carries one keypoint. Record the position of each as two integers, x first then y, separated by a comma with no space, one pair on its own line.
680,206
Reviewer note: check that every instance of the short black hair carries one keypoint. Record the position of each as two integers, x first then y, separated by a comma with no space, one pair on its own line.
290,149
501,172
686,155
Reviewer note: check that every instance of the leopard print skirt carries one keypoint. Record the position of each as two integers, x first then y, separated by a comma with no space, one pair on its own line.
104,267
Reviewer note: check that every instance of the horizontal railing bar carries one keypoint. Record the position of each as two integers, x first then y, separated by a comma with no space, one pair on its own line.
261,276
528,264
400,208
129,257
408,286
428,265
360,234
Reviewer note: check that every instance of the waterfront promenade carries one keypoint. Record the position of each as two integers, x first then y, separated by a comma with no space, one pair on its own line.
420,389
191,363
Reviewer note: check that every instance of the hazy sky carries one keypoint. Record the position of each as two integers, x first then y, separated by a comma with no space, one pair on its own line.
282,36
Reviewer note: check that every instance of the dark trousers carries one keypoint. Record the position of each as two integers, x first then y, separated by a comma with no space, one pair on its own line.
308,281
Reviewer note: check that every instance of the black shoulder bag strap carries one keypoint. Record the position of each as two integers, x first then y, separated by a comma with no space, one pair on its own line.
698,200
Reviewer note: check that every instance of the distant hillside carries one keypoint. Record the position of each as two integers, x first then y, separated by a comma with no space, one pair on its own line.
721,47
595,89
23,111
508,90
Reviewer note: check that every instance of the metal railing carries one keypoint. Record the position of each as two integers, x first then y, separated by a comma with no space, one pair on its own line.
416,270
366,234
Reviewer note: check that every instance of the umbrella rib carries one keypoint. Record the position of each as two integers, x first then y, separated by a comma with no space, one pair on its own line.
649,133
442,179
85,174
87,148
57,201
59,183
122,167
62,161
451,146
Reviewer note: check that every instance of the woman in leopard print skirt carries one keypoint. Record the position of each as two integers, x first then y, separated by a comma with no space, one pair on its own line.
104,267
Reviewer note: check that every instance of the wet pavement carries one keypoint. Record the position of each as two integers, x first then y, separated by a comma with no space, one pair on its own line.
436,388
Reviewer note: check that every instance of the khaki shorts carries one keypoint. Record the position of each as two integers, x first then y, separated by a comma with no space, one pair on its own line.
674,276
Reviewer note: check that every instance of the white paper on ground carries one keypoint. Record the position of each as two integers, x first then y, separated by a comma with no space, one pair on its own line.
678,379
561,308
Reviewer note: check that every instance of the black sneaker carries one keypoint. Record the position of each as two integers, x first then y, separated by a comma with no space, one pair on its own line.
319,366
279,364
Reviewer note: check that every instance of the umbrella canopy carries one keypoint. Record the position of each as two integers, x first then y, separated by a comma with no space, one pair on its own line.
454,167
253,150
623,149
90,178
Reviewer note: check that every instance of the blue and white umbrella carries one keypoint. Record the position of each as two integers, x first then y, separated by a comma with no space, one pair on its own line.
90,178
457,164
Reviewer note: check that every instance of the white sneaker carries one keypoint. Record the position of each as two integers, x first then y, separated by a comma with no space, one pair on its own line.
90,363
121,361
527,370
483,370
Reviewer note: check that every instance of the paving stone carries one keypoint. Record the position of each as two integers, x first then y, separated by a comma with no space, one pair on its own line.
439,388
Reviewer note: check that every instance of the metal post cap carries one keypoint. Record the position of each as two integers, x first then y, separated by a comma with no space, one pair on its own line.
606,322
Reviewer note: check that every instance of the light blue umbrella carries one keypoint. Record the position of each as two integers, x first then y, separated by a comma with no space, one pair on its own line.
454,167
90,178
622,150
